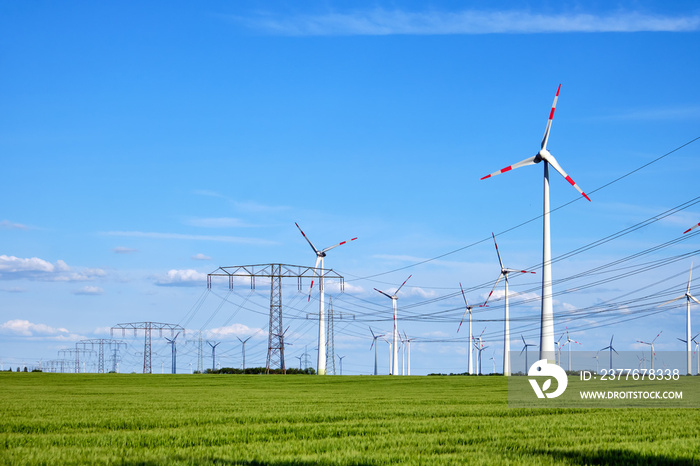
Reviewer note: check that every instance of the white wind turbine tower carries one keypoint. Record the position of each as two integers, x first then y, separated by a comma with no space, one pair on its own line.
320,255
652,348
394,358
687,297
506,332
374,343
469,310
547,319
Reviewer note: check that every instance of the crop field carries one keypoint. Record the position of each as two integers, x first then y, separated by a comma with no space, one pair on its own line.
279,420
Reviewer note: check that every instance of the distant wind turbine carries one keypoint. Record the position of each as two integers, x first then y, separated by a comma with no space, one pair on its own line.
547,318
320,255
243,342
374,343
653,354
479,347
525,345
506,328
469,310
568,342
394,297
688,297
610,347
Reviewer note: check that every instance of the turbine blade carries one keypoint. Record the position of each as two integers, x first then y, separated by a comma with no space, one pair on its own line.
464,296
545,138
669,302
318,259
397,291
691,228
497,252
553,162
339,244
494,287
522,163
307,239
388,296
690,275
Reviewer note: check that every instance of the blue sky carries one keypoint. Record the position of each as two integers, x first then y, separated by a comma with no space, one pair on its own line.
144,146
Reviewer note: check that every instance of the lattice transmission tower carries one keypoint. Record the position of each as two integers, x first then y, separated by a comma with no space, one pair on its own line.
101,342
148,328
275,272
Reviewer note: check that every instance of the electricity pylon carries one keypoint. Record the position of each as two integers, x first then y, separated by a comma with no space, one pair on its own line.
275,272
147,327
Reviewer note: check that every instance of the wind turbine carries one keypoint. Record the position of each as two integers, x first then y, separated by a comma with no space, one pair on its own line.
395,359
610,347
408,342
525,350
404,344
341,364
569,341
559,347
642,361
172,342
506,328
697,359
320,255
213,354
547,319
652,348
469,310
596,362
374,343
687,297
479,347
243,342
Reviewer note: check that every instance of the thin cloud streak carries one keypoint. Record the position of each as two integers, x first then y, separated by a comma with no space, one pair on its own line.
392,22
180,236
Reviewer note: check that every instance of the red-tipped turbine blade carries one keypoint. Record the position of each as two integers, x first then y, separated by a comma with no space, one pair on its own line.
388,296
691,228
553,162
549,121
494,287
522,163
339,244
497,252
307,239
397,291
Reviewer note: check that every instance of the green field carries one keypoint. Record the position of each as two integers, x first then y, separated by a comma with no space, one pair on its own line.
256,419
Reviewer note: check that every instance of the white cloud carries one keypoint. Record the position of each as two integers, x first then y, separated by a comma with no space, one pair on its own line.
233,331
16,268
388,22
188,277
7,225
201,257
124,250
24,328
89,290
180,236
222,222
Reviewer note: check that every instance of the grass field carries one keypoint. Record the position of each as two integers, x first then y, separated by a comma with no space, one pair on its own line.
255,420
